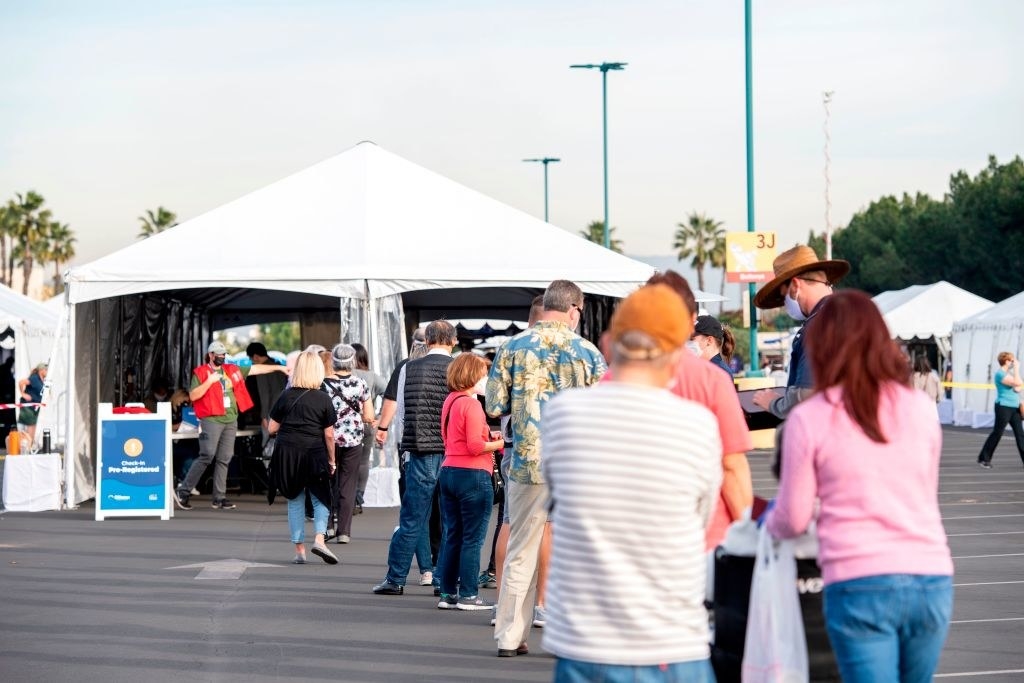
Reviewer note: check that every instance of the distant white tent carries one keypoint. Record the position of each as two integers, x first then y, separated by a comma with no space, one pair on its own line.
35,329
977,340
927,312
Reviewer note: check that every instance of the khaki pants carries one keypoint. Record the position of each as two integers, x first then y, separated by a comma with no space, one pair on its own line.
528,513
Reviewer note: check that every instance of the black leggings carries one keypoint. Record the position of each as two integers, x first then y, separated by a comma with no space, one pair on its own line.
1004,416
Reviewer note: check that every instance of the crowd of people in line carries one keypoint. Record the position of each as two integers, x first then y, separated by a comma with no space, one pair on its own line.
561,425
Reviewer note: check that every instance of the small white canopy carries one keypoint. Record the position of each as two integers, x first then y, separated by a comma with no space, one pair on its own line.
34,326
927,311
977,341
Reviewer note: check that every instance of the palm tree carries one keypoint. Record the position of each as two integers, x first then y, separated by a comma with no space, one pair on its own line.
59,249
153,223
595,233
9,219
29,234
700,237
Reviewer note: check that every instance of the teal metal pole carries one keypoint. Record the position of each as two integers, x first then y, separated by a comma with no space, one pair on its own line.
546,191
755,361
604,118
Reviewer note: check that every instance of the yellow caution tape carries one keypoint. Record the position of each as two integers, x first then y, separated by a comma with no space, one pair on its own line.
967,385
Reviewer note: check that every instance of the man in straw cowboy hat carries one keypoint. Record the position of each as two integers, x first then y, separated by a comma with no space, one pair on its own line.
802,282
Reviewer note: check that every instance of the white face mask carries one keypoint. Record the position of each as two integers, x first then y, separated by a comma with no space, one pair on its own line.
481,386
693,347
793,308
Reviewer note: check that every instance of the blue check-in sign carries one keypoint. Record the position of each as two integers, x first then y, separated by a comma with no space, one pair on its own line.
133,468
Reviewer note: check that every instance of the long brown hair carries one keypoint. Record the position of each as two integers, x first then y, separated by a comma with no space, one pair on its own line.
849,347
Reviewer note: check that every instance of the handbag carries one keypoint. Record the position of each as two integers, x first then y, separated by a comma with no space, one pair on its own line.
775,647
497,482
268,447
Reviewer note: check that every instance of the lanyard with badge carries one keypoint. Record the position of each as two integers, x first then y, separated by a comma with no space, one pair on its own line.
223,386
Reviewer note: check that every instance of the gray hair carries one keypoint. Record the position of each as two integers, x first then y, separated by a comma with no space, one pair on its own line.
562,295
343,357
440,332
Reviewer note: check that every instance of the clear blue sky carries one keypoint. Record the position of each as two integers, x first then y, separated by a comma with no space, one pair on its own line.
111,108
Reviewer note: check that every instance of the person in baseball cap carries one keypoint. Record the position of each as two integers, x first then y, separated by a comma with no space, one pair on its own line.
802,284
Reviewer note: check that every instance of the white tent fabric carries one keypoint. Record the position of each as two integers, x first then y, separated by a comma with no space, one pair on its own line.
35,328
977,340
365,225
927,311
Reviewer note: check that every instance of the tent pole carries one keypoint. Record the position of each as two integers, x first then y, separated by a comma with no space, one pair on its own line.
71,405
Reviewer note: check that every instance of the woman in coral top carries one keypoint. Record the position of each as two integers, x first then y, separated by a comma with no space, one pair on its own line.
465,483
866,447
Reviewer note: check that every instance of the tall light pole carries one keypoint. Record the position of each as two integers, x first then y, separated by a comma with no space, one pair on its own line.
826,98
754,357
605,67
545,161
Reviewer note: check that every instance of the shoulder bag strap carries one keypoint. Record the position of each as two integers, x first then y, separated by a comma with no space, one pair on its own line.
448,416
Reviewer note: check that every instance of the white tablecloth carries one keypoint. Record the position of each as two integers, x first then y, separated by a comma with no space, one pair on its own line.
32,482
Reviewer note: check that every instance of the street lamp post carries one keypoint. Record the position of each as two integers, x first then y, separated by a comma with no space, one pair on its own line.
545,161
605,67
751,226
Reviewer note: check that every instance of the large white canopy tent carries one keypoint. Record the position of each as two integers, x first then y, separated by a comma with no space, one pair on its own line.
927,312
363,239
977,340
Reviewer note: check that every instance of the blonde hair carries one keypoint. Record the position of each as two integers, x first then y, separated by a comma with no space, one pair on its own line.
309,371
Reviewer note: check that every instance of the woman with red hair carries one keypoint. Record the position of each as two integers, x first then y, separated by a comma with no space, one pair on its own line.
864,450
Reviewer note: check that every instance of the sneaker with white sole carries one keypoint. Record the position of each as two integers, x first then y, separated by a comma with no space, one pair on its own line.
427,579
473,604
540,616
447,602
181,498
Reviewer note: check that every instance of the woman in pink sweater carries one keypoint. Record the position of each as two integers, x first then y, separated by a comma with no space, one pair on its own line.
465,482
866,449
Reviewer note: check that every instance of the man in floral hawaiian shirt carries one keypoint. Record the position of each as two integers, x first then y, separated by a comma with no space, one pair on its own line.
528,370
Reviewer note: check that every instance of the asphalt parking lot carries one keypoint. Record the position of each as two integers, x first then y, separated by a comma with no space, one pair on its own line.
103,601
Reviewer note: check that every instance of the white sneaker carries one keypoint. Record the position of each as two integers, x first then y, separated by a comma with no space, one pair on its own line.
494,615
195,491
539,616
427,579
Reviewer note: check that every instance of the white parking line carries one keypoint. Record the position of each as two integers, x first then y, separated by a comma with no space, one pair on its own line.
982,517
983,502
980,673
986,583
985,621
978,557
987,533
967,493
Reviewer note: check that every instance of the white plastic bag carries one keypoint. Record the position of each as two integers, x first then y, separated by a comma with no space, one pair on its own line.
382,488
775,649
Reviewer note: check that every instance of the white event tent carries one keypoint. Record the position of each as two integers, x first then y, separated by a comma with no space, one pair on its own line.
927,312
365,240
977,340
34,326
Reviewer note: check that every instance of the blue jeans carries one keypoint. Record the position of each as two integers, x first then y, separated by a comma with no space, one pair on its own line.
575,671
889,627
414,516
466,501
297,517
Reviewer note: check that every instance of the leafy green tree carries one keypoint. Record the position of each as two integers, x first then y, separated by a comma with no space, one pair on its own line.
973,237
702,240
282,336
595,233
153,223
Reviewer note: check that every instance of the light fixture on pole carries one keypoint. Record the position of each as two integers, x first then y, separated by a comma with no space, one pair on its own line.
605,67
545,161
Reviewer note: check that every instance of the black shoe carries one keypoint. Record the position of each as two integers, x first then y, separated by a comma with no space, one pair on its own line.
521,650
387,588
986,465
181,498
223,504
437,591
357,510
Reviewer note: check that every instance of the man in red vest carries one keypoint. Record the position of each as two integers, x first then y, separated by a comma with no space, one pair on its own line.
218,395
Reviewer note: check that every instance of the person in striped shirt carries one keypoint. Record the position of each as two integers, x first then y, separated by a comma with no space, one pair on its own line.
648,621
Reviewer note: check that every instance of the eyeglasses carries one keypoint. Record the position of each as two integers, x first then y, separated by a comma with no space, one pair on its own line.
578,308
820,282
